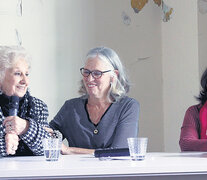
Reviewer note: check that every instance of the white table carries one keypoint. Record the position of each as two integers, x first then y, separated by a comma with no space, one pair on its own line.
156,166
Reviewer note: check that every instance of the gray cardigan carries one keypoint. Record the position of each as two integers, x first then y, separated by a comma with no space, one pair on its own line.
119,122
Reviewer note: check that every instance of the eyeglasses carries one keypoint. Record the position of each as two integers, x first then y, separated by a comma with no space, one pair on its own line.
96,74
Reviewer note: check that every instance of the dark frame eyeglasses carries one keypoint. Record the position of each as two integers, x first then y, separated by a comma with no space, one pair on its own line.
96,73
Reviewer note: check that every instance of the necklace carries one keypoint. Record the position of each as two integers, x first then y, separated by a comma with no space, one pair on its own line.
95,131
95,114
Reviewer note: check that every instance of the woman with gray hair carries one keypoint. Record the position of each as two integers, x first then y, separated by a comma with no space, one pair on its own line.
22,117
104,116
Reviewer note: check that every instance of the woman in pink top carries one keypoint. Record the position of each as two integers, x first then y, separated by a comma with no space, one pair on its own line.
193,135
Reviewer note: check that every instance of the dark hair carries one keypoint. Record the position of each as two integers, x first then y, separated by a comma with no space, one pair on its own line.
203,93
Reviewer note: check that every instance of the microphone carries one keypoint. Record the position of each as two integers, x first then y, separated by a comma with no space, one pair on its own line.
111,152
13,105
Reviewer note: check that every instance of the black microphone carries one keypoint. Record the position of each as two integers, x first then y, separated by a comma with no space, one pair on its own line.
13,105
111,152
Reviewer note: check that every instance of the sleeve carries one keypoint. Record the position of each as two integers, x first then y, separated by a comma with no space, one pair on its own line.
33,137
128,124
189,136
2,147
2,137
58,122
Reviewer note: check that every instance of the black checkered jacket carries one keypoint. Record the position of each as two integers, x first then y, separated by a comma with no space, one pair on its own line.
36,112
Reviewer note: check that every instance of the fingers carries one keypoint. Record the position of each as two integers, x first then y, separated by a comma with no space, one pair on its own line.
9,127
65,150
12,142
9,124
49,130
9,118
11,149
14,124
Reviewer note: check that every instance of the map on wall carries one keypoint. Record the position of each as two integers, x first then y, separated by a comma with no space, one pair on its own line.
138,5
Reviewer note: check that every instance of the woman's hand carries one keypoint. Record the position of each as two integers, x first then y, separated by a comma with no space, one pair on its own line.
49,130
65,150
12,142
16,125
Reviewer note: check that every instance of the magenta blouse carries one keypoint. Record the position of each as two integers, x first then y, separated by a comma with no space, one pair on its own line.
190,131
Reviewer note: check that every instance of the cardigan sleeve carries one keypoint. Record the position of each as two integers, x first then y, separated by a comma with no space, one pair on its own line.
2,147
33,137
189,136
2,136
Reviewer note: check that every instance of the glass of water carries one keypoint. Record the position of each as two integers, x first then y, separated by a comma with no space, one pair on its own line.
137,148
52,147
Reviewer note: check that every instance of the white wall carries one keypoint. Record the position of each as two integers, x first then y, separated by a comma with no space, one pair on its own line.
161,58
8,19
74,21
180,67
86,24
37,31
57,35
140,39
202,39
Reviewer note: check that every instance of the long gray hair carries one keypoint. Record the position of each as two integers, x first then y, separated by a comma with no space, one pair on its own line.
120,86
9,55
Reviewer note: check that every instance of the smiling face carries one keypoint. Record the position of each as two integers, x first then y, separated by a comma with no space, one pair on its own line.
16,79
97,88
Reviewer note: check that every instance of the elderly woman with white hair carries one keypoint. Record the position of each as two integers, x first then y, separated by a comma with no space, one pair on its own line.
104,116
22,117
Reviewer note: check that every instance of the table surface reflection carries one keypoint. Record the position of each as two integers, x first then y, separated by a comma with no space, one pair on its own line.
87,166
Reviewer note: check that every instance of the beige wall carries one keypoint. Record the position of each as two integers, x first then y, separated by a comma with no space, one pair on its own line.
202,40
78,26
180,67
141,39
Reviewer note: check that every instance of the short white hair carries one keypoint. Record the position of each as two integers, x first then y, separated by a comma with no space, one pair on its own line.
9,55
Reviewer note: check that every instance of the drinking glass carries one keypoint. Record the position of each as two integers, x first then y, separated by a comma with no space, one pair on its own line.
52,146
137,148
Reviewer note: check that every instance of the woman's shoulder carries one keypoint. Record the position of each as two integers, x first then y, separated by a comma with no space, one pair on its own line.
127,99
129,102
75,101
37,101
194,108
